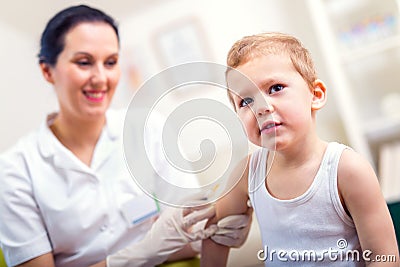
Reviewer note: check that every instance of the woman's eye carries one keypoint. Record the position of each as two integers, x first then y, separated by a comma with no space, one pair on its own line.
111,63
276,88
246,101
83,63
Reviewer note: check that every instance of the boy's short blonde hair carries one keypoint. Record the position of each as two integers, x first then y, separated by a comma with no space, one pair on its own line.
250,47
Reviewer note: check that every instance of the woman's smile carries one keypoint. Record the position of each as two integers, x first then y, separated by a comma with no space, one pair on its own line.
95,95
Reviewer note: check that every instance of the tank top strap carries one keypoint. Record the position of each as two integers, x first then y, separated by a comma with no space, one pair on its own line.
335,152
257,169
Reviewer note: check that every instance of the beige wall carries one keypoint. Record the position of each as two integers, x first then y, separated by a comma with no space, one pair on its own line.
26,97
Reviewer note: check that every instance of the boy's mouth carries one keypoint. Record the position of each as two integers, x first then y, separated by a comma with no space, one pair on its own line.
269,126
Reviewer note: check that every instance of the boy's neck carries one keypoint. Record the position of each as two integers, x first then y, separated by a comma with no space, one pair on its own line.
299,155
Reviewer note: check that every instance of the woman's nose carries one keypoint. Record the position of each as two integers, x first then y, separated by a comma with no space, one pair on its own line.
99,76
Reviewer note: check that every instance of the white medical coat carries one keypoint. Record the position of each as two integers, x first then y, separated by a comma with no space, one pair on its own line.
51,202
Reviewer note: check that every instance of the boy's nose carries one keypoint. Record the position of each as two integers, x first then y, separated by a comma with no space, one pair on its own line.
263,109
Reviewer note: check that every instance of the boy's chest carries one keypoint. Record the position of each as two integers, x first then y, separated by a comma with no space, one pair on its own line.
289,184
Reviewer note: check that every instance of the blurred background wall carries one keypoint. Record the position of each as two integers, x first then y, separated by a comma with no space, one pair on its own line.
27,98
156,34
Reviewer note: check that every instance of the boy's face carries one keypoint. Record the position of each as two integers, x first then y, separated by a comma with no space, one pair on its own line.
277,109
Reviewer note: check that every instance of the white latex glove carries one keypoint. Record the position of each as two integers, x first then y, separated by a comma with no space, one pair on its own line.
168,234
232,231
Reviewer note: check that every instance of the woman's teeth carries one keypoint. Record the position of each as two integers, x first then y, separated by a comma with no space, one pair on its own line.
95,95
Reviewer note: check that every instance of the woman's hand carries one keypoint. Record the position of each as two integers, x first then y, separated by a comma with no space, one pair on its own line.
233,230
170,233
174,229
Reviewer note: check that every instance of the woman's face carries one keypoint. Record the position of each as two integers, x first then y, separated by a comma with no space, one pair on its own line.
87,72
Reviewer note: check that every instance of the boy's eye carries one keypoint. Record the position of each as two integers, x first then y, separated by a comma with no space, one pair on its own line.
246,101
276,88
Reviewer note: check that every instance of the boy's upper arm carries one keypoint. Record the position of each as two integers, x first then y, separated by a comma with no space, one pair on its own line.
45,260
360,190
235,201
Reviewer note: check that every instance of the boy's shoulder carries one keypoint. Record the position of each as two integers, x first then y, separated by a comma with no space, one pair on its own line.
355,172
352,163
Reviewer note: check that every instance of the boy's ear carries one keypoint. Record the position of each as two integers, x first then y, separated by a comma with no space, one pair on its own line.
319,95
46,72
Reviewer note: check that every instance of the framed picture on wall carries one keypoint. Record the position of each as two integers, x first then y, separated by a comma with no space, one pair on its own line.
180,42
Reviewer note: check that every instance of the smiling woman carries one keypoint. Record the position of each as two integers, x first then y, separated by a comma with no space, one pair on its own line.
85,77
66,196
64,187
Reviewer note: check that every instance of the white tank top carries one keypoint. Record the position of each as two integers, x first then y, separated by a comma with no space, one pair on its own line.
311,229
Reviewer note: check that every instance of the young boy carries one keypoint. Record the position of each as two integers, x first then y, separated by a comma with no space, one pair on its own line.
317,203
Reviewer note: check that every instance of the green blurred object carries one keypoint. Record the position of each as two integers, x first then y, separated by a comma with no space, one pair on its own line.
2,261
394,209
193,262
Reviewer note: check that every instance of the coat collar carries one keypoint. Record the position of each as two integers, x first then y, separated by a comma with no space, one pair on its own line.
51,147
